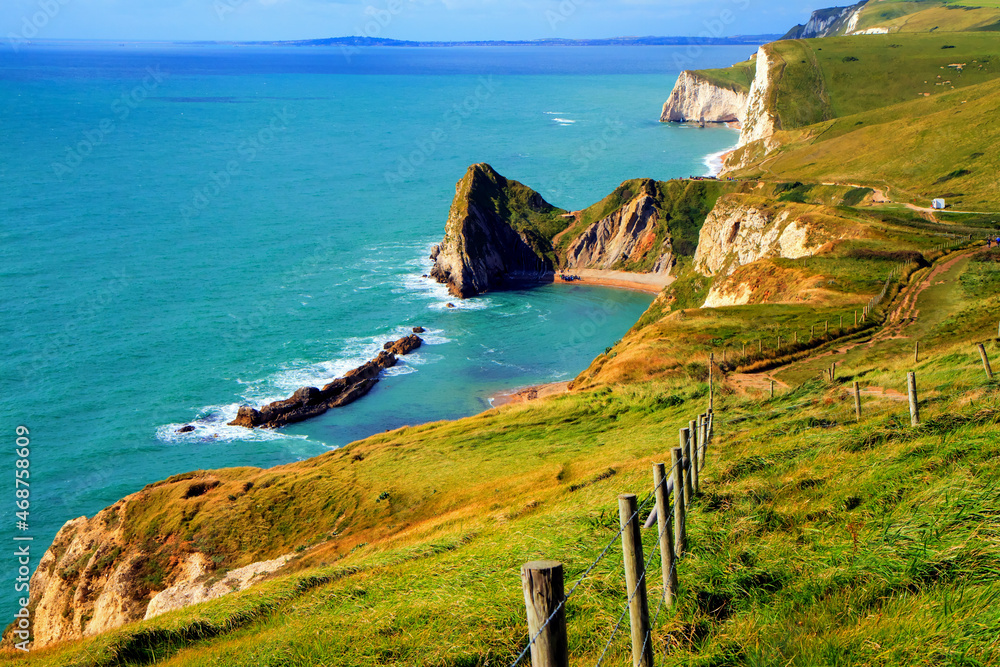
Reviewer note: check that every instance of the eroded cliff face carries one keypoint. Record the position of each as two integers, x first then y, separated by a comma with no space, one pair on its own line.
828,22
482,250
626,236
98,576
760,121
740,231
744,229
193,584
695,99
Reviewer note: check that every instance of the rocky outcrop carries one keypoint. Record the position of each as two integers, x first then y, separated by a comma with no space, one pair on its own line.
627,235
309,402
195,583
760,120
696,99
828,22
114,569
491,238
744,229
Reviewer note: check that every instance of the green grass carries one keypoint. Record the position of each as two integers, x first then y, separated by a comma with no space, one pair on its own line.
737,77
842,76
817,540
930,15
941,146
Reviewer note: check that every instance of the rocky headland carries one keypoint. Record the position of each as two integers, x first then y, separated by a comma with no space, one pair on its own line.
501,234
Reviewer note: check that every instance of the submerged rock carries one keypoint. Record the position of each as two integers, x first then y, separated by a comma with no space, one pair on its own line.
186,429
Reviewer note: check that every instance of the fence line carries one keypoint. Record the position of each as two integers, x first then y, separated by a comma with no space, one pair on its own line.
580,580
698,445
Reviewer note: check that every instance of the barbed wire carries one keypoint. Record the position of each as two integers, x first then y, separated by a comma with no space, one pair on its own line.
638,585
586,573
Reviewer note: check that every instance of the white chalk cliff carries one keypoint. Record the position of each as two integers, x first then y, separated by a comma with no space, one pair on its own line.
695,99
739,231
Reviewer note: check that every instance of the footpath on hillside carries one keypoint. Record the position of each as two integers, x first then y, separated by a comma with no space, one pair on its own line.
923,303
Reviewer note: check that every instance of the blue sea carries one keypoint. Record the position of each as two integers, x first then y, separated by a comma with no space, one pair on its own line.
185,229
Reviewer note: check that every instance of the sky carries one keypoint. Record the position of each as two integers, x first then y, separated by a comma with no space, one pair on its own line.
247,20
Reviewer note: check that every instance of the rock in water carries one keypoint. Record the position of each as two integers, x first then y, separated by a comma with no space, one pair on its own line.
498,235
310,402
186,429
419,330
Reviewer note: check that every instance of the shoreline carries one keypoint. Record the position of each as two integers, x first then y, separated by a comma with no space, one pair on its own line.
715,162
637,282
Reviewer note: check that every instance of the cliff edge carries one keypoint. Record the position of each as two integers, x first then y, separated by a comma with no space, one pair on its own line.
696,98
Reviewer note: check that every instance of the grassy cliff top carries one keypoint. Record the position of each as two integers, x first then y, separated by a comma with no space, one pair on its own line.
523,208
946,145
737,77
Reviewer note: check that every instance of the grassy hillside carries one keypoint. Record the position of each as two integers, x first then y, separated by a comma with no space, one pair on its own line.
941,146
817,540
738,77
841,76
931,16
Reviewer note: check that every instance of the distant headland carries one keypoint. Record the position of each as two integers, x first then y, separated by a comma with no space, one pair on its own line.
359,41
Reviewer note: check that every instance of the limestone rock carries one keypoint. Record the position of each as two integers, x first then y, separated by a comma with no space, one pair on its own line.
741,230
489,242
192,588
695,99
627,235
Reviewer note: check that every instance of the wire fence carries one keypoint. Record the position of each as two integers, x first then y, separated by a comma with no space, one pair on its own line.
688,465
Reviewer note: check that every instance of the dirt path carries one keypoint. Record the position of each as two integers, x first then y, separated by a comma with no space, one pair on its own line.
529,394
900,318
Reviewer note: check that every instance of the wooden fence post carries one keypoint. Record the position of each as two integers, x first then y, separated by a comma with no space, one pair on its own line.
841,329
635,581
833,372
911,385
772,388
677,466
986,362
795,338
760,345
855,318
744,350
542,582
812,332
857,400
690,443
667,556
704,441
711,380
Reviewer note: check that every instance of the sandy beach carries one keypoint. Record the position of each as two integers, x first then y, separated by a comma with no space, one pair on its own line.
642,282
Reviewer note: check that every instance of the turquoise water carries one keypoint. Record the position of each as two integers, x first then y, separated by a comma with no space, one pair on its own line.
187,230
